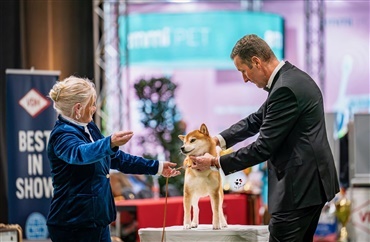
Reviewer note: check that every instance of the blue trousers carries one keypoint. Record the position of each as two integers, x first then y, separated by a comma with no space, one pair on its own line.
61,234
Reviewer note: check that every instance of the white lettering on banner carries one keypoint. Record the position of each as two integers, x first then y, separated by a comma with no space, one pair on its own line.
37,187
31,141
192,37
34,142
161,38
35,164
149,39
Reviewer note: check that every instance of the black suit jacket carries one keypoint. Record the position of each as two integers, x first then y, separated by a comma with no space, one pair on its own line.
292,138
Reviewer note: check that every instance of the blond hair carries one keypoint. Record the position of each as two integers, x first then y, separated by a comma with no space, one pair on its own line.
66,93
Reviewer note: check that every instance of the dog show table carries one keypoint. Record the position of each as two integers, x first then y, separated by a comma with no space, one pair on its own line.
204,232
150,212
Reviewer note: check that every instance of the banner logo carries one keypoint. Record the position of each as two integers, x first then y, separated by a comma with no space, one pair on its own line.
34,102
238,183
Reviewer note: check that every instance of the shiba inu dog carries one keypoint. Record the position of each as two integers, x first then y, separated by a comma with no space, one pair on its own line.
199,184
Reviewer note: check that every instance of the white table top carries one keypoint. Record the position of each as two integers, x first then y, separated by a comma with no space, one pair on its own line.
204,232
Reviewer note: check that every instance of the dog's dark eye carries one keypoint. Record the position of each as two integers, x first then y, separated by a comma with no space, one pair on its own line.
192,140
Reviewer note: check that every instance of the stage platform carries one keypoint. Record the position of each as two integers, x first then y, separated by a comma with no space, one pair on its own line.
233,233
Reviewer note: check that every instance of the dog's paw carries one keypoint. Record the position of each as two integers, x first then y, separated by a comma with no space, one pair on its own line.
187,226
216,227
194,225
224,224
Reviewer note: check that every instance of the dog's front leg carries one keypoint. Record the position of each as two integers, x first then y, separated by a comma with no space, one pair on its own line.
222,217
215,203
187,211
195,222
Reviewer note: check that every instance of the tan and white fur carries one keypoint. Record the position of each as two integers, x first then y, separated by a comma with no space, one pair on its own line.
199,184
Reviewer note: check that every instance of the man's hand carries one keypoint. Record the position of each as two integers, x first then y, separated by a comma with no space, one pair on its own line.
168,170
120,138
202,163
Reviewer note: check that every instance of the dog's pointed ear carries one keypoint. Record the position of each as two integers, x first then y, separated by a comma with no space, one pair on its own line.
203,129
182,137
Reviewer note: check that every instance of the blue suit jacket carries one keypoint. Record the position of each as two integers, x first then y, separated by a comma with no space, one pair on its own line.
80,173
292,138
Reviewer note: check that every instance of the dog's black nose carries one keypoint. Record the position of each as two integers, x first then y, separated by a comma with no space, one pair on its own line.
182,148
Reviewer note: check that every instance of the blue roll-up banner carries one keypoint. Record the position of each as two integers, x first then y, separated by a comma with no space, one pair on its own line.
30,118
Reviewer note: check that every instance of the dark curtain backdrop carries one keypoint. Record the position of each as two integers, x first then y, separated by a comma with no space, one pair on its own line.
46,35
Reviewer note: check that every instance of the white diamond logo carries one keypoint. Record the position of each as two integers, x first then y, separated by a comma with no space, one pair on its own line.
34,102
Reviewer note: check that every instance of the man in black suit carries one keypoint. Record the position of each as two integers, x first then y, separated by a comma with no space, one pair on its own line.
292,138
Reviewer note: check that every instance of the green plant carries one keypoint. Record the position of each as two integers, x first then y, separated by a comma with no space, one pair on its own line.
162,121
